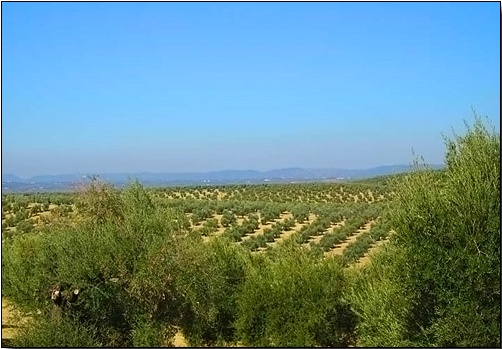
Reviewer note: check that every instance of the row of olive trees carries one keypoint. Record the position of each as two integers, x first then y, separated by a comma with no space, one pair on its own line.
283,193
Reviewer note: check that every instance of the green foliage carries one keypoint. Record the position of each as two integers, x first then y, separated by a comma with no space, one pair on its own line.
193,285
209,283
150,333
136,200
24,226
57,333
338,234
35,209
254,242
10,222
363,242
269,213
446,266
228,218
294,300
248,226
62,210
380,302
100,258
200,214
21,215
300,213
99,202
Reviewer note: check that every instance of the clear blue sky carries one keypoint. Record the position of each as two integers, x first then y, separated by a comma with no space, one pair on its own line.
132,87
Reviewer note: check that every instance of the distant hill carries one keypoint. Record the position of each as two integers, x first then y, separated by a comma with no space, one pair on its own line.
8,177
65,182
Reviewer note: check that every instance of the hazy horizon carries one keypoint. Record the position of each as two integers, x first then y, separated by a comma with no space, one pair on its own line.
220,170
198,87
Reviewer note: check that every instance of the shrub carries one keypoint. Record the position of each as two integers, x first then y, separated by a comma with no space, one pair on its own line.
379,302
228,218
300,213
209,285
101,259
293,300
446,261
25,226
99,201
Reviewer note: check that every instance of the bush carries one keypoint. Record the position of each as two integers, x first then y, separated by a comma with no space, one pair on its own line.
101,259
138,275
25,226
210,283
294,300
99,201
228,218
300,213
446,262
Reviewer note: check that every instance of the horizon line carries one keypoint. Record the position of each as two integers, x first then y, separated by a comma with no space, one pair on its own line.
98,173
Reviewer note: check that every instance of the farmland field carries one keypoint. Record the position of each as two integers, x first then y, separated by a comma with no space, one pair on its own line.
255,216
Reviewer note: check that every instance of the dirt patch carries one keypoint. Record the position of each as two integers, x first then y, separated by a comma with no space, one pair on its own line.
45,213
12,321
12,228
312,217
219,231
221,228
371,196
179,340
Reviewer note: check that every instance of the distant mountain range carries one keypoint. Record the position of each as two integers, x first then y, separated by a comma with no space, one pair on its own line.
66,182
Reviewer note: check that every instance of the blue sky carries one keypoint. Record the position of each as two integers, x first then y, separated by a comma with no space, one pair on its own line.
133,87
